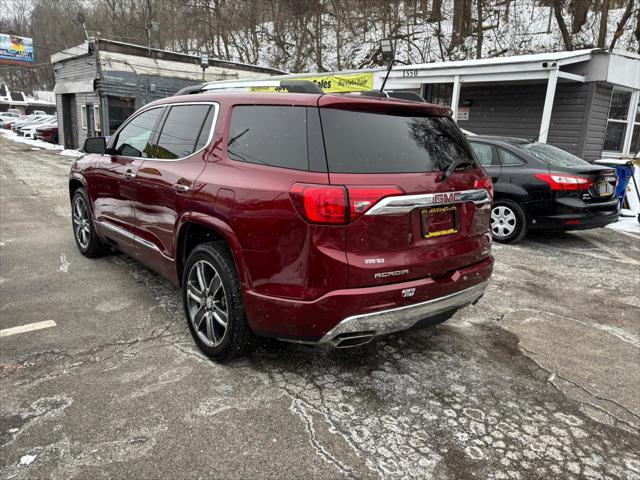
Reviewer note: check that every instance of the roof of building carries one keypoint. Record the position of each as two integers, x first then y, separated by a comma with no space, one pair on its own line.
561,58
106,45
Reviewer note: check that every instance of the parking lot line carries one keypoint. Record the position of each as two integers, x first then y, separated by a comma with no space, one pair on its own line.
30,327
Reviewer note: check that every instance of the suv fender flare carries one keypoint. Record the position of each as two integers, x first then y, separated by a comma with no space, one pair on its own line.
78,177
225,232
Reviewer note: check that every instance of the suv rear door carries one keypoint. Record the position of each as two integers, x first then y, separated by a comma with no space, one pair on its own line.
378,148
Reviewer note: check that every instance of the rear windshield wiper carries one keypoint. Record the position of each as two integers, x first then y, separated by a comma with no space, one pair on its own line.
452,166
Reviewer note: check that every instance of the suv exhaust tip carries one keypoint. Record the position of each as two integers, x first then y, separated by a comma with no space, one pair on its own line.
353,339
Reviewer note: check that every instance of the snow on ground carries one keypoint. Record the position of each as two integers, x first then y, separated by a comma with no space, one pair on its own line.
626,224
39,144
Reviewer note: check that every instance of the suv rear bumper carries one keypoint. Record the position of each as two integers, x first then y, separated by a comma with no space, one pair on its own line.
397,319
367,311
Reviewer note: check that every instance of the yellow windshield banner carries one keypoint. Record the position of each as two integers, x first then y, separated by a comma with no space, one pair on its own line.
349,82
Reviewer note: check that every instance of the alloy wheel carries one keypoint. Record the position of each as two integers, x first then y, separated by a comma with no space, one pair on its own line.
503,221
81,222
207,303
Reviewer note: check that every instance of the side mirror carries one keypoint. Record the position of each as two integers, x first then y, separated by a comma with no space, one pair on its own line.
95,145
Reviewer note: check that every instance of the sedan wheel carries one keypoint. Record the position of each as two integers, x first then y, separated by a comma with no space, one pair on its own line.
207,303
503,221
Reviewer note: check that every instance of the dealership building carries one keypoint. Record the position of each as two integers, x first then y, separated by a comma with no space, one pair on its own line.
585,101
98,84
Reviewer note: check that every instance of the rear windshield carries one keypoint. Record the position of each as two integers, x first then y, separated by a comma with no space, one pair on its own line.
363,142
552,155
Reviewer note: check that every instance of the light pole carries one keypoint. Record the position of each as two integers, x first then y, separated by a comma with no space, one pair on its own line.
204,63
388,55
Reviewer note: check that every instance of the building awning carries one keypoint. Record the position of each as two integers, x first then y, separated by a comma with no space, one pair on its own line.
81,86
498,69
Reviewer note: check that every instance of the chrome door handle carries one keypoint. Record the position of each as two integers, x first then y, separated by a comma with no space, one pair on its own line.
129,175
181,187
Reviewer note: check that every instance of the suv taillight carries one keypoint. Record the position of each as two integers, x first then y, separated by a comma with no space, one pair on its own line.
485,183
560,181
336,204
320,203
362,199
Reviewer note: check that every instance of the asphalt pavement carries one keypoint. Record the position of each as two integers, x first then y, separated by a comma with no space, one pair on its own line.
540,380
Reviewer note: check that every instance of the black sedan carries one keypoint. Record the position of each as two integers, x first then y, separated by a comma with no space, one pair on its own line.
538,186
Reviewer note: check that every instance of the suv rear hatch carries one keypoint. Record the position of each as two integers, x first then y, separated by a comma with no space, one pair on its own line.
405,220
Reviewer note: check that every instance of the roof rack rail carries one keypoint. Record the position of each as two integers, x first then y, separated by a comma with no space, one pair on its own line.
191,90
286,85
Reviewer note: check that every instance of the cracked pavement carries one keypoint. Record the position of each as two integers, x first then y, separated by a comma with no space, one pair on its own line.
540,380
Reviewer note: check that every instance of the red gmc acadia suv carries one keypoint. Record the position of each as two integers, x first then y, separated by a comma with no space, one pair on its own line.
305,217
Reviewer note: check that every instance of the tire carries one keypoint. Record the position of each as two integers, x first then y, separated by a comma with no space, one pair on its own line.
213,304
55,138
508,221
84,229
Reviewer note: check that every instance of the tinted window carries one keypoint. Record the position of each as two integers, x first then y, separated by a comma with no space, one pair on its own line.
269,135
509,159
619,107
181,131
614,136
134,138
552,155
483,152
206,129
119,110
362,142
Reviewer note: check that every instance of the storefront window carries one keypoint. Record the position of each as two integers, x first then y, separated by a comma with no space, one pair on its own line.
119,109
439,93
617,122
635,137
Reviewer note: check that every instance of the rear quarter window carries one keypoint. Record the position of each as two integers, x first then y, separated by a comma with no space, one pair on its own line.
484,153
509,159
271,135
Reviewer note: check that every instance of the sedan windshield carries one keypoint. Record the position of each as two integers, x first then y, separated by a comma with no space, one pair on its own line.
552,155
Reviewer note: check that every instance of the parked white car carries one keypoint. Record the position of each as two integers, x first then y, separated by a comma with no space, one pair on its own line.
29,130
7,117
25,120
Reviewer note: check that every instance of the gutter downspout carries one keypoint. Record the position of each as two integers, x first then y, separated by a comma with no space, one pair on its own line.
104,114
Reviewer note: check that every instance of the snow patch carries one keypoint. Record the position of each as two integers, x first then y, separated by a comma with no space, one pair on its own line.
27,459
626,224
71,153
64,264
39,144
8,134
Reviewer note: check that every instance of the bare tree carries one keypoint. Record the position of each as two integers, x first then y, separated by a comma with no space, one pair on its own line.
621,24
566,38
604,19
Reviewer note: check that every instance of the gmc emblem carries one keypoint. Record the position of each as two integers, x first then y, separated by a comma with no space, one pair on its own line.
446,197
